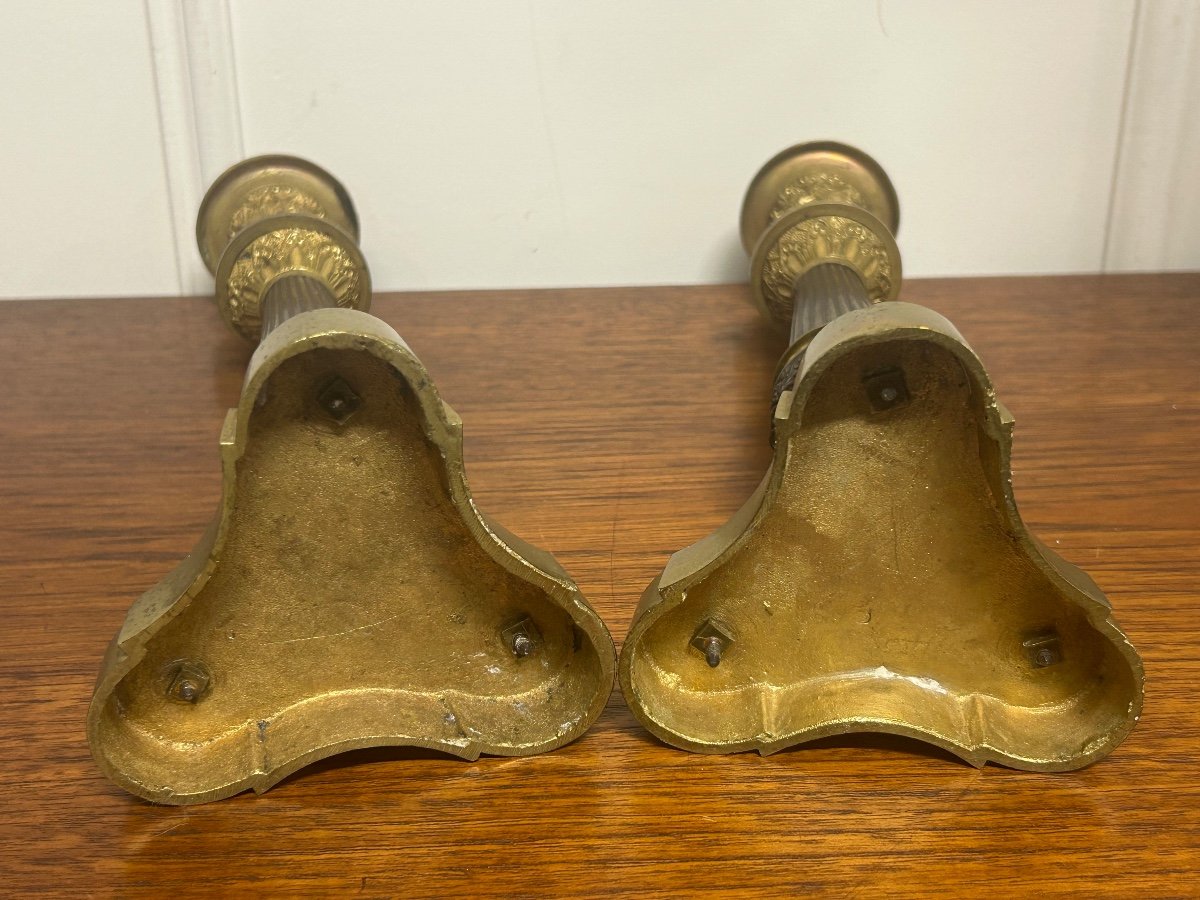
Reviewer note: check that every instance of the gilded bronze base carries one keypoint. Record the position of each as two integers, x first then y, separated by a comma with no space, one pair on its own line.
348,594
881,579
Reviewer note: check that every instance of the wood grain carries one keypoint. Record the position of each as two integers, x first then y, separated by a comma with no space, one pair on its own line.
613,427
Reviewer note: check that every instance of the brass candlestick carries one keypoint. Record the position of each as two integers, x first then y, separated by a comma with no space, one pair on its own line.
348,593
880,578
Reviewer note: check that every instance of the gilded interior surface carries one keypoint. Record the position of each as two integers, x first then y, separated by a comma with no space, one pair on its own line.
348,595
882,580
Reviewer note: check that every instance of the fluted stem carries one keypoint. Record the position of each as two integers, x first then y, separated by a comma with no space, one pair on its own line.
291,295
822,294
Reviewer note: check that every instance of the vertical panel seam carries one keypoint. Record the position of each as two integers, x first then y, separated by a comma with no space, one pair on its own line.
1122,126
172,211
237,81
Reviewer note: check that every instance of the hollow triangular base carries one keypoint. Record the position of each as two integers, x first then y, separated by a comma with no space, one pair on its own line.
348,594
881,579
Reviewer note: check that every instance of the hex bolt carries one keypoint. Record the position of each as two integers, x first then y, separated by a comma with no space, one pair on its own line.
522,646
339,400
886,389
187,681
522,637
1044,648
712,639
712,651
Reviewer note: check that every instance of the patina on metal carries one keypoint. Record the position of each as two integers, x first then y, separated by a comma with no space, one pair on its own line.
880,578
348,593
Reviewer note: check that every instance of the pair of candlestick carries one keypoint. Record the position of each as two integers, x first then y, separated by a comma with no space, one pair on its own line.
349,593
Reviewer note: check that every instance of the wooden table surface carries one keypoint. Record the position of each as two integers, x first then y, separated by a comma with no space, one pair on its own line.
612,427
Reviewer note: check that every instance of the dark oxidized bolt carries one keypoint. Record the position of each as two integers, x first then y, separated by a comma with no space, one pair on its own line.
886,389
1045,657
187,681
521,645
339,400
522,637
712,639
712,651
1044,648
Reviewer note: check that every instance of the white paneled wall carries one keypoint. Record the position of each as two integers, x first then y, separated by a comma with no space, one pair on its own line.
85,207
1155,212
507,143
